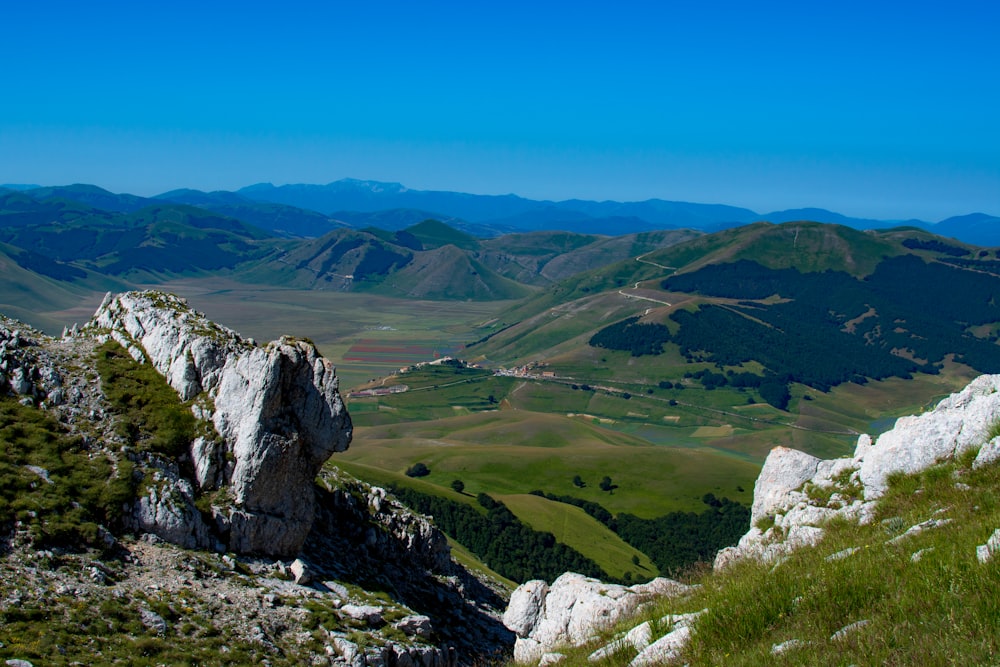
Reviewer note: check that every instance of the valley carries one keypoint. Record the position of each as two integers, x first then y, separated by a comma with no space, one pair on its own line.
670,360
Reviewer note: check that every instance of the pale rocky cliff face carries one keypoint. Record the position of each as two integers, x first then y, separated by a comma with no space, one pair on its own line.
848,487
277,411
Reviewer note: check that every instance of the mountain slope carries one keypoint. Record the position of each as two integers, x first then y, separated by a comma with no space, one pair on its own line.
276,218
91,195
770,307
156,240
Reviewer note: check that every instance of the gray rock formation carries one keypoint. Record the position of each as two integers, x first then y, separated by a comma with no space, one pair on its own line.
796,494
277,411
572,610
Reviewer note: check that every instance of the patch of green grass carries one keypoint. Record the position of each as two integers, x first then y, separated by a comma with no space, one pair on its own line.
151,416
574,528
516,452
55,485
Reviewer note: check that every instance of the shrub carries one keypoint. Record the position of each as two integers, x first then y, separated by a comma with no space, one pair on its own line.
418,469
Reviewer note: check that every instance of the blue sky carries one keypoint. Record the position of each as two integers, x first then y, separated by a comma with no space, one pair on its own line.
874,109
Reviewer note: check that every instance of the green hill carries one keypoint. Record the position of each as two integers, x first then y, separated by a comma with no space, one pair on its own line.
434,234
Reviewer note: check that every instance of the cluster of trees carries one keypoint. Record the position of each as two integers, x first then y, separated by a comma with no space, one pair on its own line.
499,539
906,304
632,336
678,539
378,261
418,469
935,246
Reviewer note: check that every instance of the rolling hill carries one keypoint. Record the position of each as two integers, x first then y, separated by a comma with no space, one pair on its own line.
794,304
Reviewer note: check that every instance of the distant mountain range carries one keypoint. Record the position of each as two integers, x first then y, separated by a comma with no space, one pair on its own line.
306,210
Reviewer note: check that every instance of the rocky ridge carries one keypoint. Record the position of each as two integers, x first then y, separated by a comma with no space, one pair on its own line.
270,418
796,494
276,409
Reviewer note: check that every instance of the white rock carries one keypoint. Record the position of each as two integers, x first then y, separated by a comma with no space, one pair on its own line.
990,453
664,649
848,629
153,621
415,626
572,610
277,409
985,552
301,571
784,471
525,607
959,423
778,649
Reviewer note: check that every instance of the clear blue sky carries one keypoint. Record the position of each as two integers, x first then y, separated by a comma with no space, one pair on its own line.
876,109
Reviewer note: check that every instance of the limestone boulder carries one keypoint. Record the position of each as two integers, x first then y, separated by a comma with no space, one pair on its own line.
572,610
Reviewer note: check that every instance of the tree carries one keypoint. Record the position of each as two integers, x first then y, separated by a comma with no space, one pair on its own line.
418,470
578,482
458,485
606,484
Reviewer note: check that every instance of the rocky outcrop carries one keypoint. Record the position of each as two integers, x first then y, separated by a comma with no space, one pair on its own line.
276,409
796,494
572,610
25,369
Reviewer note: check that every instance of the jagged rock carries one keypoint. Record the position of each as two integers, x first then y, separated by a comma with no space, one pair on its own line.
415,626
919,528
663,650
364,612
844,553
525,607
958,423
784,471
167,510
572,610
277,410
301,572
985,552
551,659
990,453
153,621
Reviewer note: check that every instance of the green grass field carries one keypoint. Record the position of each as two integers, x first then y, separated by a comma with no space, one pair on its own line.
515,452
574,528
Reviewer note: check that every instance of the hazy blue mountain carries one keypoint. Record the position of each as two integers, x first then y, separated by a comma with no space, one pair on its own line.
977,228
92,196
664,214
823,215
278,218
353,195
510,213
18,186
17,209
